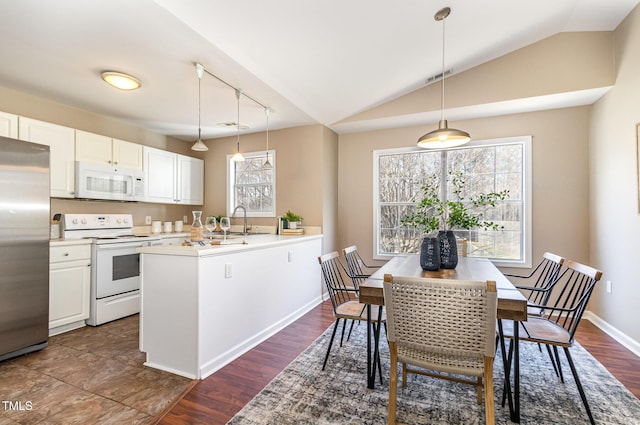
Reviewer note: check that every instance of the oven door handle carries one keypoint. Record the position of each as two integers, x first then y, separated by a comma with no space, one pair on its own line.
121,245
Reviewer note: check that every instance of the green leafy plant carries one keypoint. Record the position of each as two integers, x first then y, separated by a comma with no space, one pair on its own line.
433,213
292,217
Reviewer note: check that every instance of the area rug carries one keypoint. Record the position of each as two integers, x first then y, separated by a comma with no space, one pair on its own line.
304,394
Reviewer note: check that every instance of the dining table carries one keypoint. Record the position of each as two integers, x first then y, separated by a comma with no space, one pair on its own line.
512,305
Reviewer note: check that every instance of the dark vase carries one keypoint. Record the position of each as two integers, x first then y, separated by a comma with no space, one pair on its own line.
430,254
448,249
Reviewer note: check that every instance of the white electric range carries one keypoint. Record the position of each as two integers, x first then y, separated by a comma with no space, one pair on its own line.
115,262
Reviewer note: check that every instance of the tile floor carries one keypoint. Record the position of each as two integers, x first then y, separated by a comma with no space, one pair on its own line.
92,375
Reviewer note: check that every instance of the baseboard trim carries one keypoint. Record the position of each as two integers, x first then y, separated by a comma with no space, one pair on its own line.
613,332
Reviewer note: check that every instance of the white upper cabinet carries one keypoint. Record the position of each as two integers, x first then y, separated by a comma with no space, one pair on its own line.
107,151
8,125
127,154
171,178
190,180
61,141
160,174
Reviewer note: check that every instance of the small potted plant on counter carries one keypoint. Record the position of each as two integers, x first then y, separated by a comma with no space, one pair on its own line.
433,214
291,220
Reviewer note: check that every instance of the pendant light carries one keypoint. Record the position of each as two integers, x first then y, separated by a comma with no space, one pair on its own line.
199,145
238,156
443,137
267,165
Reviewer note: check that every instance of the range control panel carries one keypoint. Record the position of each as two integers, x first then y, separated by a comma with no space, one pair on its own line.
96,221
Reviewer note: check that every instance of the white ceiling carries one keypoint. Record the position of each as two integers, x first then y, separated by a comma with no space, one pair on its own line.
310,61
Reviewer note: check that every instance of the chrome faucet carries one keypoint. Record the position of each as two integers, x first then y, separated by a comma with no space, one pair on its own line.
244,209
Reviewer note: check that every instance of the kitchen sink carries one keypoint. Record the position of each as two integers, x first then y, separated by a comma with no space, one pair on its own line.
232,235
220,237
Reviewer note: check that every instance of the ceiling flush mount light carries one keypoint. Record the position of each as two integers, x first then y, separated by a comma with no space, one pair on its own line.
238,156
199,144
267,165
443,137
121,80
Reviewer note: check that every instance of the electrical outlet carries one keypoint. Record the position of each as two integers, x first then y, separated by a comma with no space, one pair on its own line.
227,270
147,219
290,256
184,218
609,287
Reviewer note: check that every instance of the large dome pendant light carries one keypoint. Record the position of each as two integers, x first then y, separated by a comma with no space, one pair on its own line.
238,156
199,144
443,137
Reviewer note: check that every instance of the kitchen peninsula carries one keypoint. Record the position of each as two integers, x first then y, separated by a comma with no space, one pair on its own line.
201,307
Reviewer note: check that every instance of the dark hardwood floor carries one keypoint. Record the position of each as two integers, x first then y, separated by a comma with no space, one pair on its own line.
216,399
618,360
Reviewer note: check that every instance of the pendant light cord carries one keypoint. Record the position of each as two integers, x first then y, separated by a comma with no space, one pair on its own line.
442,99
199,110
267,111
238,93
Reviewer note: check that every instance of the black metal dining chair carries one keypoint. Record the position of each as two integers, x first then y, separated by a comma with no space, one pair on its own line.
344,298
559,318
358,269
536,286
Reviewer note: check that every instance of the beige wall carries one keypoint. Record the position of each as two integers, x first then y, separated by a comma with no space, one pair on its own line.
330,221
615,222
41,109
560,176
306,159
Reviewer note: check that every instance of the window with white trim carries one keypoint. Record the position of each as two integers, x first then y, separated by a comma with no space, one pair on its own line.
252,185
488,166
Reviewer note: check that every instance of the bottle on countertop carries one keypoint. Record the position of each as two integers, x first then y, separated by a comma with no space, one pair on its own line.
197,230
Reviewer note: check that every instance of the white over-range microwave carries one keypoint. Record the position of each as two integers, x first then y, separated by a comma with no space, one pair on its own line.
96,181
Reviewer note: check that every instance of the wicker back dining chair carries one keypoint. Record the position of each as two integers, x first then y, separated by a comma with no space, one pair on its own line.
537,285
444,327
358,269
559,318
344,297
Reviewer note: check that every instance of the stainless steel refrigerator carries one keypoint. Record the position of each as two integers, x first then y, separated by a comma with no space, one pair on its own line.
24,247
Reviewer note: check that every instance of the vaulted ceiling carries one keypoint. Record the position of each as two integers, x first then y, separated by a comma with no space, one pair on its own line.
310,62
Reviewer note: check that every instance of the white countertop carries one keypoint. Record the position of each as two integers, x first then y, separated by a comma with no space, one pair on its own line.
234,244
65,242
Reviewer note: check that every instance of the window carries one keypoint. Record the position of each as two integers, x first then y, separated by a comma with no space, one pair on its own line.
252,185
488,166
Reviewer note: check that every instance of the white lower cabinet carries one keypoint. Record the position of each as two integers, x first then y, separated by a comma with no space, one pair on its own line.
69,285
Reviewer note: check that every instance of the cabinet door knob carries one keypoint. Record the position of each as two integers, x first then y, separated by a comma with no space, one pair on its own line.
66,254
